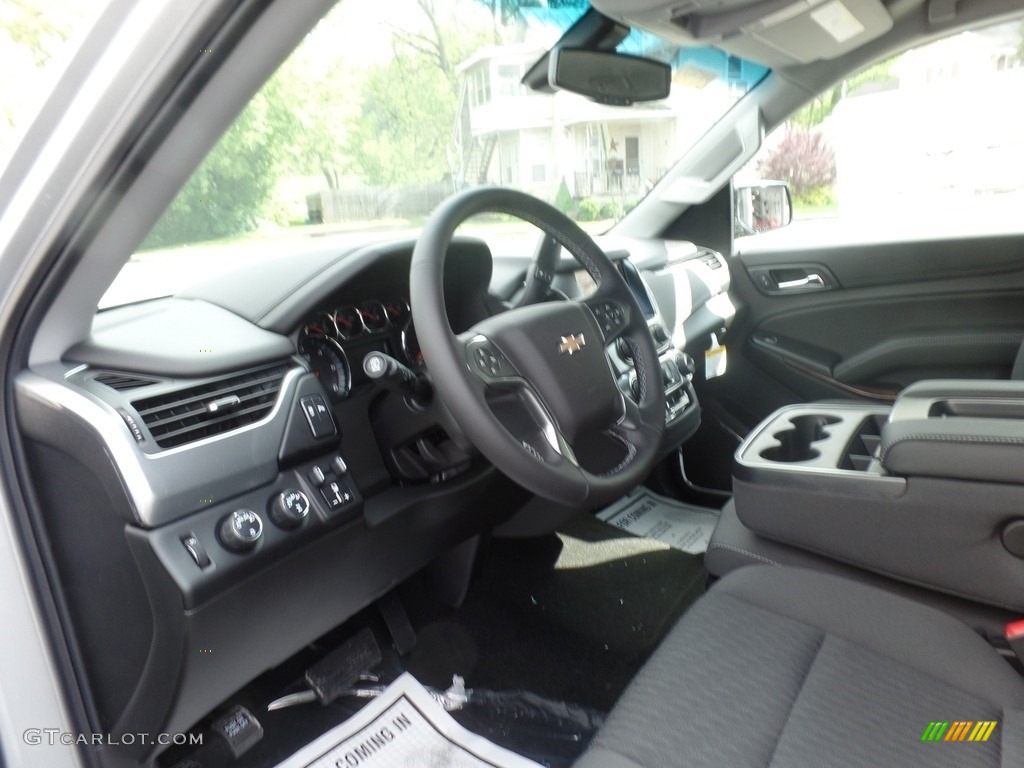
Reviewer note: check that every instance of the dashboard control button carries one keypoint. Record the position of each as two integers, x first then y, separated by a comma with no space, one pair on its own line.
196,549
132,425
337,495
317,476
318,415
241,530
288,509
339,466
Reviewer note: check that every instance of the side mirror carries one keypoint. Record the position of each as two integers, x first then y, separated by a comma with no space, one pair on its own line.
608,77
761,207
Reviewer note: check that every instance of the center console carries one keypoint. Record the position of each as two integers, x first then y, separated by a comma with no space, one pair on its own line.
929,491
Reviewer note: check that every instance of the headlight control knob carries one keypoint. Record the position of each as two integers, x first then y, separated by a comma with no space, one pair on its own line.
289,508
240,530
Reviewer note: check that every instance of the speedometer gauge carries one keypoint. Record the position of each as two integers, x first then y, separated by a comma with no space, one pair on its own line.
328,361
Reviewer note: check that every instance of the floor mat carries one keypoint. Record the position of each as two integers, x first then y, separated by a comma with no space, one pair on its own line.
570,616
554,626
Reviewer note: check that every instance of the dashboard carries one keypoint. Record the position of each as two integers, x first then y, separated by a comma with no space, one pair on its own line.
337,340
242,485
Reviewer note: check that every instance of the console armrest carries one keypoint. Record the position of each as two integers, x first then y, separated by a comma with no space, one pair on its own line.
985,449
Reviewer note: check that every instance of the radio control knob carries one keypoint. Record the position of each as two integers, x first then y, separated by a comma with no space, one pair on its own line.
289,508
240,531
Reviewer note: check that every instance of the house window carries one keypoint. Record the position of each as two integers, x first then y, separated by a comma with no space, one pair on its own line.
509,159
509,76
633,155
479,87
539,173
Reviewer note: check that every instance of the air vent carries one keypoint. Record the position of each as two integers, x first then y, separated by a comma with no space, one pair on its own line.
711,259
122,381
212,408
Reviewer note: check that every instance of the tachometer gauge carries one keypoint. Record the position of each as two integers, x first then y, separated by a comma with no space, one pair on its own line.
328,361
398,312
326,319
411,347
374,316
348,321
323,326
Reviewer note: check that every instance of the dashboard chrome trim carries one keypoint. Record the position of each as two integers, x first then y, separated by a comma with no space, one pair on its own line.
166,486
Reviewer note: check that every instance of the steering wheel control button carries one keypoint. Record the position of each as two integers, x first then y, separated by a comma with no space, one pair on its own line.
240,531
289,509
318,416
611,317
196,549
487,362
337,495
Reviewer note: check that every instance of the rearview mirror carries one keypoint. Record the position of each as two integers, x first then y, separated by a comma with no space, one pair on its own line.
761,207
608,77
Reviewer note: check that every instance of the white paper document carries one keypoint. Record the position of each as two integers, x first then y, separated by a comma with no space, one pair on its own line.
404,728
680,526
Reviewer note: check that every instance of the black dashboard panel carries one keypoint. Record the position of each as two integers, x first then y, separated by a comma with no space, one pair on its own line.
176,337
237,490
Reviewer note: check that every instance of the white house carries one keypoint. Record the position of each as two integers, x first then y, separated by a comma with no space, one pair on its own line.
506,133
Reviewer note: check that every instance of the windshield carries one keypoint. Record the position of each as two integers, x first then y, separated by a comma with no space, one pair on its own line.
387,108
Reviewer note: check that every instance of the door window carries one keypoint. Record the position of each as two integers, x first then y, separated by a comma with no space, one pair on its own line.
928,144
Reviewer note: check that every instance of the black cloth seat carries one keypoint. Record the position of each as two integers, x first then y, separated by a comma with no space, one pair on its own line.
784,667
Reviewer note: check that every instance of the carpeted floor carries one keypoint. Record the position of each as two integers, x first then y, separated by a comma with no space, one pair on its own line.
571,617
568,617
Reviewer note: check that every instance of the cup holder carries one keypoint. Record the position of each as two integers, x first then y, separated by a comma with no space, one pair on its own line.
796,443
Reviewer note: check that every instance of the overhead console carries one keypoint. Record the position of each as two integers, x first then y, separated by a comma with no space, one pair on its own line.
776,33
930,491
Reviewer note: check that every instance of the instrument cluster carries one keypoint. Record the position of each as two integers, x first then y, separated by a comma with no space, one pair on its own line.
336,341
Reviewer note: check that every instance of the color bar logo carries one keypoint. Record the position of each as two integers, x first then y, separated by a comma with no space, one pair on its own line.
959,730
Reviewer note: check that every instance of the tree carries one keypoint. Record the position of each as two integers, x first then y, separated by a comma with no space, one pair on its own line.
228,193
815,112
803,159
403,129
32,34
406,121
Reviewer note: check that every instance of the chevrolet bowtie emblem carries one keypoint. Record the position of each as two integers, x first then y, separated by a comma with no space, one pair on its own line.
571,344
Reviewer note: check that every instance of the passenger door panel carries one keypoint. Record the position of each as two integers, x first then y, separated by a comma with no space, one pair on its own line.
883,316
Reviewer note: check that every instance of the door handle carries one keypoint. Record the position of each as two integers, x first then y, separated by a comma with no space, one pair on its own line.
793,278
813,280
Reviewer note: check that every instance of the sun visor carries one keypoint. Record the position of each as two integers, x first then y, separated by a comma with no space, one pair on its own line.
776,33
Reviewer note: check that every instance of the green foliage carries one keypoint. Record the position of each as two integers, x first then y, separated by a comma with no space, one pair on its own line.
815,112
36,26
228,193
405,124
611,210
563,199
588,210
402,132
816,198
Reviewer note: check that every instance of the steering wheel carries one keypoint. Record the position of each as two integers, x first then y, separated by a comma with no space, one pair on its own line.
532,387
